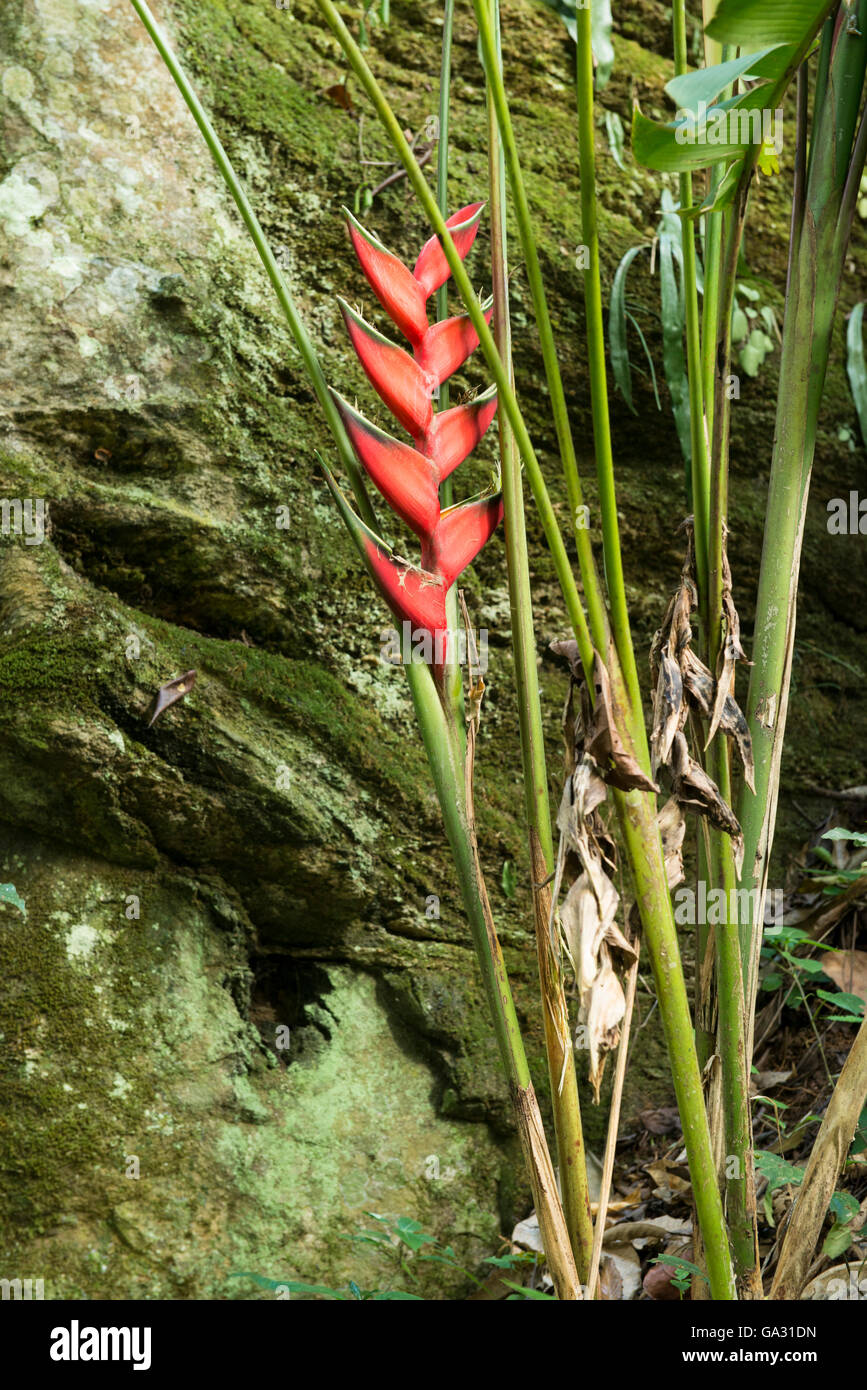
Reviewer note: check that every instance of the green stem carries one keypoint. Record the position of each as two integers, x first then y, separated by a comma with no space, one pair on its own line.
598,375
266,255
443,746
731,1045
641,835
561,1058
592,589
700,470
442,294
454,675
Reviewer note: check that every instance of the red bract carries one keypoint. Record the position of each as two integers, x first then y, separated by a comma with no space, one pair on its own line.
408,476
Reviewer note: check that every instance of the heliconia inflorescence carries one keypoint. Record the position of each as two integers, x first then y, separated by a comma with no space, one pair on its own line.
409,475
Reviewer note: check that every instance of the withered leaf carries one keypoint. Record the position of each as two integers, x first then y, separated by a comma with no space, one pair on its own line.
618,766
697,680
733,723
667,708
732,651
169,694
340,95
672,829
699,685
567,647
698,792
848,970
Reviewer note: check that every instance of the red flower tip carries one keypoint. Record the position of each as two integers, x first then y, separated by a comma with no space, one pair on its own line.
460,534
394,285
454,434
447,345
391,371
410,593
407,480
432,269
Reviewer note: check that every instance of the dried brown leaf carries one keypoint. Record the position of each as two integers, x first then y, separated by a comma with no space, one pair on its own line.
848,970
699,793
667,708
169,694
672,829
617,765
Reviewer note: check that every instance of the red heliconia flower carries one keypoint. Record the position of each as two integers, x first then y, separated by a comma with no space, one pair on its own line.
409,475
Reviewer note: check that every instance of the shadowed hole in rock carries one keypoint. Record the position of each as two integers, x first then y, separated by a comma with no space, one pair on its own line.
289,1010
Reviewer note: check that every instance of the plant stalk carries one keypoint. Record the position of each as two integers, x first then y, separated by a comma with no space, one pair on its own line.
558,1038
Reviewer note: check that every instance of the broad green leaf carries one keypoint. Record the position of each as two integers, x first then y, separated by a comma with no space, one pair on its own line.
690,88
838,1239
777,1170
856,370
293,1285
679,1263
812,967
751,23
669,148
843,1206
9,895
853,1003
855,837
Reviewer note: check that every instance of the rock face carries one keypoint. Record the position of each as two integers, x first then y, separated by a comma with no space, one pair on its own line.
240,1007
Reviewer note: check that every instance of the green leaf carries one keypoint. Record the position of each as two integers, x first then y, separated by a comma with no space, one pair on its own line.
855,837
805,963
778,1171
293,1285
603,49
751,23
669,148
614,133
510,878
838,1239
529,1293
679,1263
9,895
853,1003
690,88
843,1206
617,329
411,1233
674,320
